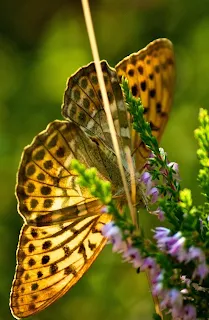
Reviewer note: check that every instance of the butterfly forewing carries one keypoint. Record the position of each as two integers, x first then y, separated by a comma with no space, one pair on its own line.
150,73
61,236
63,220
46,187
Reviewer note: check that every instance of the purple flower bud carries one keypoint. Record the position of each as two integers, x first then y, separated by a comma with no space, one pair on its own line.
185,280
190,312
195,253
201,271
157,288
177,313
161,233
175,298
132,255
159,277
160,213
154,193
174,245
177,248
157,283
149,263
173,239
146,178
107,228
104,209
175,167
152,155
114,235
118,244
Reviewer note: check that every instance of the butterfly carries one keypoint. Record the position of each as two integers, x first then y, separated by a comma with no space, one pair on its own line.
61,235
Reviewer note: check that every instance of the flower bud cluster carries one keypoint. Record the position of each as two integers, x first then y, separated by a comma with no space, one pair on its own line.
171,299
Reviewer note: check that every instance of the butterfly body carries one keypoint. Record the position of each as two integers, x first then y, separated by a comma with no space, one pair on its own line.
61,235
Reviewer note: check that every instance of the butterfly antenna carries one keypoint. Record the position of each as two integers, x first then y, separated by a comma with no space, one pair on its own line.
95,53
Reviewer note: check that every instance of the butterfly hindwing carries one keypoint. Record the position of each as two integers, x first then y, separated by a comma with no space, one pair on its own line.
51,259
150,73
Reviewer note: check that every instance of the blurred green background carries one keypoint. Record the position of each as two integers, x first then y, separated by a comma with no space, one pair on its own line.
41,44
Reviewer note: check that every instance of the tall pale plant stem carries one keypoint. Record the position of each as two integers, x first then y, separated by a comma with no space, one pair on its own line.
155,298
95,53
